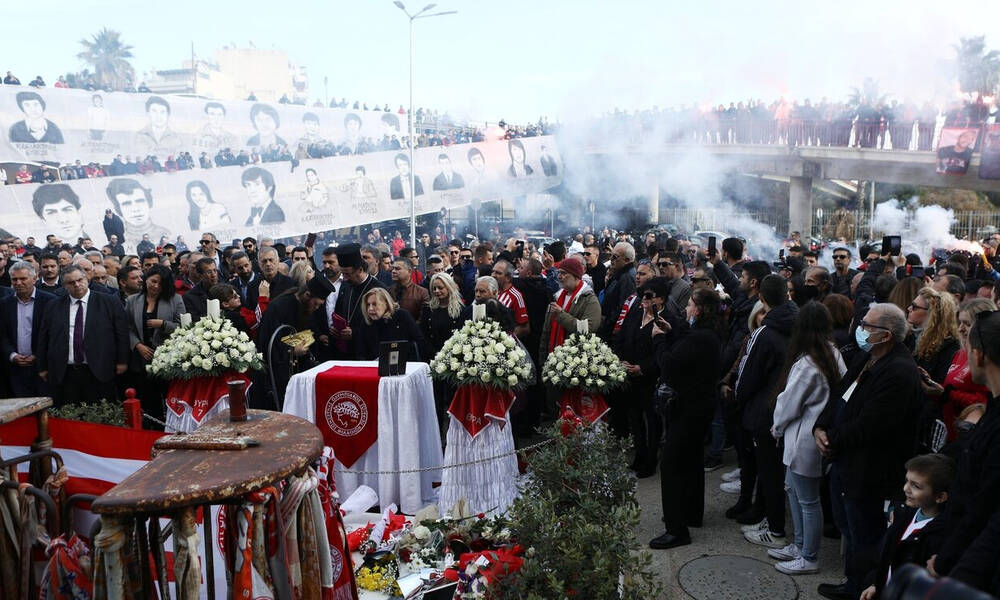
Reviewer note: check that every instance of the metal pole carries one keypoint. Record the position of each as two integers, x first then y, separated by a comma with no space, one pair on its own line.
413,204
871,214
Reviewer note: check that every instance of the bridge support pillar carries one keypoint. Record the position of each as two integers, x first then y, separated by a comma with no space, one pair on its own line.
800,205
653,210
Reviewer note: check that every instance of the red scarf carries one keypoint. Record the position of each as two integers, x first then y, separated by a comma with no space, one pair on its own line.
625,308
558,333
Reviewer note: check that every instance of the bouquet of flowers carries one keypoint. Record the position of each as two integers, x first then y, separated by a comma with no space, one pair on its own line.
481,353
210,347
583,362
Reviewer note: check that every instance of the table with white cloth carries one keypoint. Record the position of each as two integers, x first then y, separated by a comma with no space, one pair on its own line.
408,435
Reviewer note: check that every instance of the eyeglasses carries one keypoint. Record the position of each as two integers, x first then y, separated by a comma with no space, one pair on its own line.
841,257
915,306
454,252
873,326
206,241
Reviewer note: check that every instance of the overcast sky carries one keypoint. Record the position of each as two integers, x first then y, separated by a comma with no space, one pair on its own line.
520,59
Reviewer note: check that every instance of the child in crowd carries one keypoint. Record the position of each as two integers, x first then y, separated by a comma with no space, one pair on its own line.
919,529
241,317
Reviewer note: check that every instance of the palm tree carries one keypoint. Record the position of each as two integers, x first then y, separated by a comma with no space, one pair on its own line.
109,57
978,70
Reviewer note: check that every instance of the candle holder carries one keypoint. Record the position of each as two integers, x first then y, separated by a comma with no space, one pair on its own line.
237,400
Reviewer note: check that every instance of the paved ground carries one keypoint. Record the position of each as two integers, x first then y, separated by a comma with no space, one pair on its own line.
720,536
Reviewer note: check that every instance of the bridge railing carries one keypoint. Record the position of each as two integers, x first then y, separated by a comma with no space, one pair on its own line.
835,132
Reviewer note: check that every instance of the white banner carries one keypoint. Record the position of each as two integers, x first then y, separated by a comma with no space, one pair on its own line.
63,125
270,200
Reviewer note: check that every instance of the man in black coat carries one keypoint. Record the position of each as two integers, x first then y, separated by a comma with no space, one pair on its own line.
357,281
196,299
20,326
113,225
975,497
869,431
620,286
294,310
79,355
267,260
754,391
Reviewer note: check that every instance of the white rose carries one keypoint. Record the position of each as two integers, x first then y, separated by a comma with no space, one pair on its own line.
492,359
574,381
512,379
440,368
421,533
602,372
486,376
196,361
248,356
454,364
473,371
508,341
233,352
216,344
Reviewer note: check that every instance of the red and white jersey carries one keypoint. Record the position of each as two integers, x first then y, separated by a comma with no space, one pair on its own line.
512,299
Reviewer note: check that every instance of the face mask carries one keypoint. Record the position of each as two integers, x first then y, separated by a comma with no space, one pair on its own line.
861,336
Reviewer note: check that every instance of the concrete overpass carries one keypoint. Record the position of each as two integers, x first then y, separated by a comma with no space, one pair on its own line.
806,166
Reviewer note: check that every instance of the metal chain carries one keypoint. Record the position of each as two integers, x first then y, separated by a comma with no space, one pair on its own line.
455,466
155,420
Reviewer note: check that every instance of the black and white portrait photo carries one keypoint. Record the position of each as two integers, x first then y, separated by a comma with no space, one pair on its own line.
156,138
399,186
518,165
447,179
265,120
35,128
259,186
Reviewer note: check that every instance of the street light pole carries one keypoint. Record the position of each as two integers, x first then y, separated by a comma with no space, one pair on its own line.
413,201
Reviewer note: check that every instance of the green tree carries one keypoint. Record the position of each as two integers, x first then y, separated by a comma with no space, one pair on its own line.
978,70
108,55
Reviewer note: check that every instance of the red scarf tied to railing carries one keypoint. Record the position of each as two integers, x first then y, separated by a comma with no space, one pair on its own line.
557,333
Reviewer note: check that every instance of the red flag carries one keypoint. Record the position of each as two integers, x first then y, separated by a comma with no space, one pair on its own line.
476,407
347,410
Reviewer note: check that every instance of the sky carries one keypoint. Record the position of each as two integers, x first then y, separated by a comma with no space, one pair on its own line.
523,59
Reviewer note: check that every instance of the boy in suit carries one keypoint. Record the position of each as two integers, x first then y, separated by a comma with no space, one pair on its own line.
918,530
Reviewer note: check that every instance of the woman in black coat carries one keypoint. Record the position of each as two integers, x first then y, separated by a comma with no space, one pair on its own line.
634,346
385,322
690,360
445,314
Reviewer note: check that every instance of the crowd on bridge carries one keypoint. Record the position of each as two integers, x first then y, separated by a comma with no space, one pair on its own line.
871,384
865,124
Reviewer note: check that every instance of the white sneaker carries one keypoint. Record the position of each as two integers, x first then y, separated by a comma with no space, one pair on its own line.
765,537
730,487
798,566
789,552
761,526
733,475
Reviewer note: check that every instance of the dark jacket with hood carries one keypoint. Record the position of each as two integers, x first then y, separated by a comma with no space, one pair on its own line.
742,307
759,369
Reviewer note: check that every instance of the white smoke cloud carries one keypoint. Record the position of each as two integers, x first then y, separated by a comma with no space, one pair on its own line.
923,228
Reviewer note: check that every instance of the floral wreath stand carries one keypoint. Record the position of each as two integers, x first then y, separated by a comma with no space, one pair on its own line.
191,401
589,406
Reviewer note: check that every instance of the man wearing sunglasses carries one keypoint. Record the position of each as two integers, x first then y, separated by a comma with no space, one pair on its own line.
868,431
842,272
671,267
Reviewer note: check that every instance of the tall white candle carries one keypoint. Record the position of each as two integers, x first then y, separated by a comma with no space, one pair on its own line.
213,309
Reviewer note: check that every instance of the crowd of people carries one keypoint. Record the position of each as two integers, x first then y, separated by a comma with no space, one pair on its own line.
864,395
865,124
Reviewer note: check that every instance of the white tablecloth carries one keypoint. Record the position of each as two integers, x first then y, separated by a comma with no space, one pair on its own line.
408,435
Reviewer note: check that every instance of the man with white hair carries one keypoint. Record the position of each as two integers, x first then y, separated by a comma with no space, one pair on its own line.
868,431
621,285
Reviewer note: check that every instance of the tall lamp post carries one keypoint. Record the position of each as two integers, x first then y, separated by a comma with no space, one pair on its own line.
419,15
